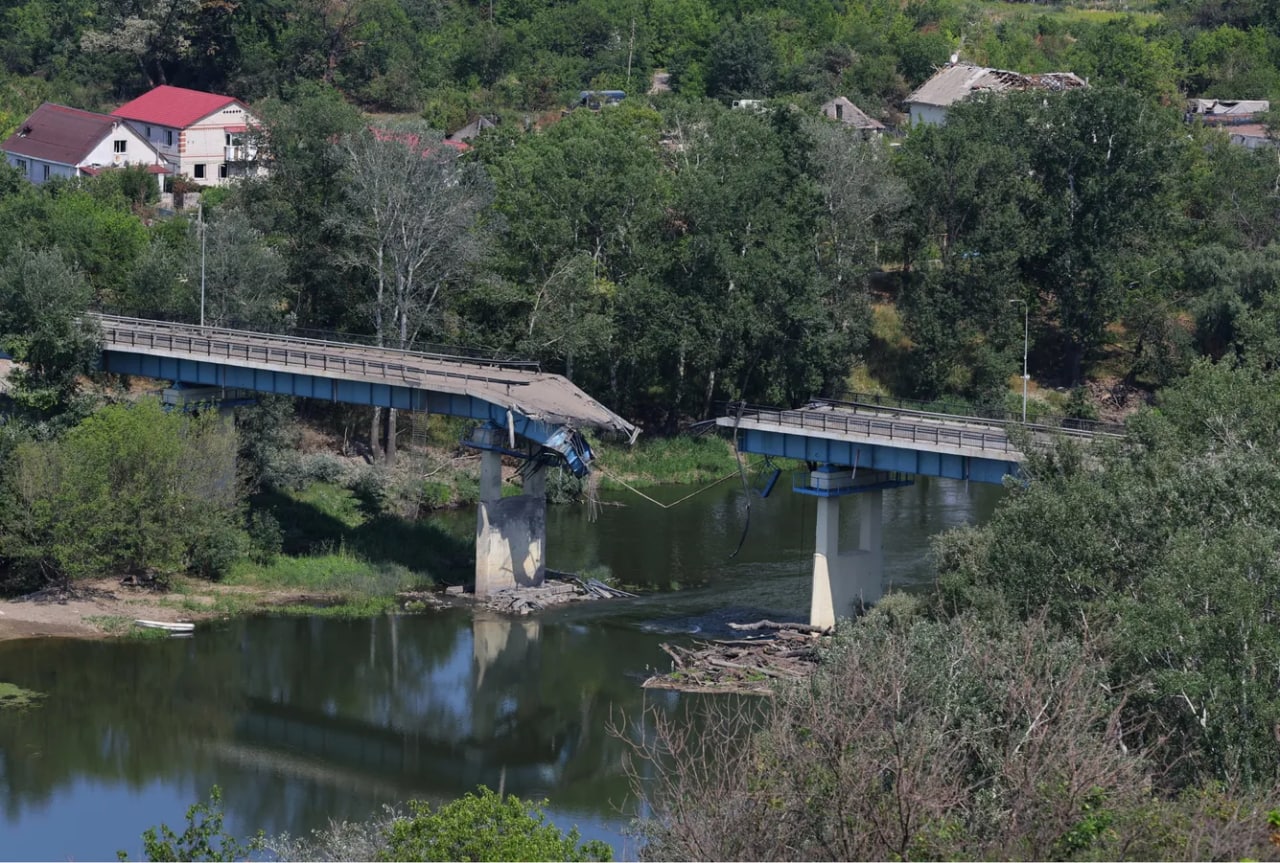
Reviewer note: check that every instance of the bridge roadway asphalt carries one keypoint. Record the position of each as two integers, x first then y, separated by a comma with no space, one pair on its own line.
518,386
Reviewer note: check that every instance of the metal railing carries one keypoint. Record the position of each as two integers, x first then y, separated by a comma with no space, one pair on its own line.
458,353
961,411
832,422
330,359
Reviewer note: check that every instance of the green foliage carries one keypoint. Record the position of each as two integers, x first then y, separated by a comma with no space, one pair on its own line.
130,489
485,827
203,839
42,303
1167,545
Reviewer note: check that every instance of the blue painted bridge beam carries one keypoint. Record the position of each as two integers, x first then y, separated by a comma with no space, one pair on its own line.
205,373
871,456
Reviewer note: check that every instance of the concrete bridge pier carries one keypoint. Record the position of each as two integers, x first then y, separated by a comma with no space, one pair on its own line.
511,533
844,579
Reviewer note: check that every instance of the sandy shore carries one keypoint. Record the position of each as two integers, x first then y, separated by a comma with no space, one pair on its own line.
99,613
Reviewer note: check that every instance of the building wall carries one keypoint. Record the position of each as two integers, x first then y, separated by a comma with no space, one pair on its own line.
163,138
38,170
205,143
931,114
136,151
202,143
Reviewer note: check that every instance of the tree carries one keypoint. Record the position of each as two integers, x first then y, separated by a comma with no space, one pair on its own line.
43,301
742,62
485,827
1163,547
413,207
130,489
244,277
154,32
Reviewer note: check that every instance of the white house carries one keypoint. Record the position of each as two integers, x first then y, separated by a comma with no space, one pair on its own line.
201,136
57,141
956,82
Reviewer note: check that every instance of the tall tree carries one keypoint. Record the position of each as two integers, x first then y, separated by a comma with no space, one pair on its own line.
413,207
42,325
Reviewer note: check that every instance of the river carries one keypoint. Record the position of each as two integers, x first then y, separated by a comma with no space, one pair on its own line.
306,720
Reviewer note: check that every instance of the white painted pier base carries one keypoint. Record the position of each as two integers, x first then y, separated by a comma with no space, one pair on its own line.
841,580
511,533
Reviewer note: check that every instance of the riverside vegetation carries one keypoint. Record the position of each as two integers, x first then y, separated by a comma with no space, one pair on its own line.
1096,673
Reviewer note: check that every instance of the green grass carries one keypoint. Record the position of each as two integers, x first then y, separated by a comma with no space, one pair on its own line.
331,541
13,697
660,461
338,572
118,626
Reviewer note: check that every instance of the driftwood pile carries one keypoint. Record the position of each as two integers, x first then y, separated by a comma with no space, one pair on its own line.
749,666
554,591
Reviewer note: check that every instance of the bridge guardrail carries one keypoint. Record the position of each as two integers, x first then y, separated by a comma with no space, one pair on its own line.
963,412
281,350
882,427
485,356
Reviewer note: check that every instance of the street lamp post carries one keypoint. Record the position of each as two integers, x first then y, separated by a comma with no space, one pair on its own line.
1026,332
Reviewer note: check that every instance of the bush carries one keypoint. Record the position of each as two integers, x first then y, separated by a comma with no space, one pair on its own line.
214,551
924,740
485,827
204,838
373,486
265,537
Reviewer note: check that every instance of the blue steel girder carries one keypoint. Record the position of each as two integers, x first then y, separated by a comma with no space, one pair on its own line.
328,389
875,456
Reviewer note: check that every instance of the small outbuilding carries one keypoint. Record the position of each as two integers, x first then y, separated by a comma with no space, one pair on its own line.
842,110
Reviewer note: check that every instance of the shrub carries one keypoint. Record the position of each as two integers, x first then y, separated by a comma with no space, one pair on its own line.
485,827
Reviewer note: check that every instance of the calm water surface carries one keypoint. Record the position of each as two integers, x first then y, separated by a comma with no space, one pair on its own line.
303,721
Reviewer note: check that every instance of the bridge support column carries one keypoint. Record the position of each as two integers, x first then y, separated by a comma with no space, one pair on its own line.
511,533
843,580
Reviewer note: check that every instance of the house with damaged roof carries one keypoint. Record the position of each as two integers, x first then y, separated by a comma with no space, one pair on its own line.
57,141
956,82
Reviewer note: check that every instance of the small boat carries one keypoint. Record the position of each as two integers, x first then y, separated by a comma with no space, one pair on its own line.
160,624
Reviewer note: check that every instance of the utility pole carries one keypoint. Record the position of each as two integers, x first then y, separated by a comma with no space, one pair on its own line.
200,216
1026,332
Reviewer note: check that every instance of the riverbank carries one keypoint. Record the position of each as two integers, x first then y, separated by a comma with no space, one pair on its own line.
103,608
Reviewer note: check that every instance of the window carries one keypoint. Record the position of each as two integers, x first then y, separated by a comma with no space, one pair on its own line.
199,171
22,165
149,135
46,172
120,145
222,171
839,111
168,137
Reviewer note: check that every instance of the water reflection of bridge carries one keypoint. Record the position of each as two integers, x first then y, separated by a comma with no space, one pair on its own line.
496,730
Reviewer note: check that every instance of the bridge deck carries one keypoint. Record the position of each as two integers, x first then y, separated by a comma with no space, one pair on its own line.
894,428
893,439
521,387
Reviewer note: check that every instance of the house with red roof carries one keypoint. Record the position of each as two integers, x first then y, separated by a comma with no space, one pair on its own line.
201,136
57,141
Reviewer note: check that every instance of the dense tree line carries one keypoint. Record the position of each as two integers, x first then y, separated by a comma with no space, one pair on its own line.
449,60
